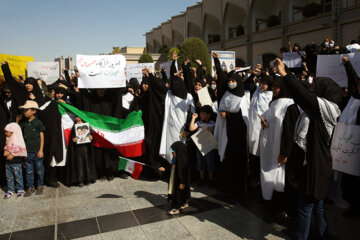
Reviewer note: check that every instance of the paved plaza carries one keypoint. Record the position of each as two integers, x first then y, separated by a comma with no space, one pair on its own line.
136,209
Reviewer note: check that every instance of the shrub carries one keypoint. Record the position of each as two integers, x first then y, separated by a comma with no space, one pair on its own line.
146,58
195,48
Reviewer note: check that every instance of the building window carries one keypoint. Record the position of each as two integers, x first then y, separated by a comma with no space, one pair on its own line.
212,38
349,3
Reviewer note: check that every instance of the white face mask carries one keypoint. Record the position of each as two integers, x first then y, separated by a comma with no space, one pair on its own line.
232,85
213,86
331,45
257,84
310,79
326,44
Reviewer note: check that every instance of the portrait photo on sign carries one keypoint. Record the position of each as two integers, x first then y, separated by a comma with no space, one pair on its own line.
82,133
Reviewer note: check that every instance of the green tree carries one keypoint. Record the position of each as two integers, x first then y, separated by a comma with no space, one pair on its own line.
169,56
146,58
195,48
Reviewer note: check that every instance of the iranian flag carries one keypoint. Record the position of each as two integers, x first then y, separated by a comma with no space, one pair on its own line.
126,135
130,166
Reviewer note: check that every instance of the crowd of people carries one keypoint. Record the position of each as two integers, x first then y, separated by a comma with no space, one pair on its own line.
273,126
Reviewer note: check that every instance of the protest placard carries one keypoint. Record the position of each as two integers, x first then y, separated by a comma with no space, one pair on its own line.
204,141
167,67
17,64
101,71
227,60
135,70
292,59
46,71
345,149
204,97
332,66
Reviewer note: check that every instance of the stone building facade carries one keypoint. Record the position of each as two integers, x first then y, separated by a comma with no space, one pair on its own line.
256,28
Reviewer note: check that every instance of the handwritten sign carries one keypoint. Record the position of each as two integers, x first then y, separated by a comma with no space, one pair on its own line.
332,66
101,71
227,60
167,67
345,149
204,141
17,64
135,70
204,97
46,71
292,59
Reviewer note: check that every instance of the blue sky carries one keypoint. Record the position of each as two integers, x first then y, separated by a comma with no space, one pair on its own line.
49,28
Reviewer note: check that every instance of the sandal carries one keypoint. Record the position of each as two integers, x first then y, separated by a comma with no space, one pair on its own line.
174,211
20,194
185,205
8,195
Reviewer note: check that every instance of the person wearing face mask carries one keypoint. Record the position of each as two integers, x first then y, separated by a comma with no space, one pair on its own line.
325,47
231,131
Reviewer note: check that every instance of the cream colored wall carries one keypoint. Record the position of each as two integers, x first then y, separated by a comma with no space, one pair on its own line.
240,52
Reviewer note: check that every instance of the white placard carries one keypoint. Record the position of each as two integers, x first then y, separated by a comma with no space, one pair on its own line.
332,66
227,60
46,71
292,59
204,141
167,67
243,69
258,60
345,149
101,71
135,70
204,97
353,47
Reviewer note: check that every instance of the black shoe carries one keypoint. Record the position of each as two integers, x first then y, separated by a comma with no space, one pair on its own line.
110,178
54,185
81,184
124,176
103,179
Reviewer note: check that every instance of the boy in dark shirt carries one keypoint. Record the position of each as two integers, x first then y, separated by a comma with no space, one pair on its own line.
33,132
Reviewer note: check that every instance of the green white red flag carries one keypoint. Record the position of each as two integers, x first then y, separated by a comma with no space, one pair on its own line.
126,135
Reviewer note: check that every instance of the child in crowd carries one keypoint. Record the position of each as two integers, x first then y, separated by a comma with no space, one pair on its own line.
14,151
179,183
207,161
80,163
33,131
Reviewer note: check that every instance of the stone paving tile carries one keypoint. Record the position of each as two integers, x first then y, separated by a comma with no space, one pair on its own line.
150,201
167,230
82,211
34,220
31,205
93,237
105,206
133,233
